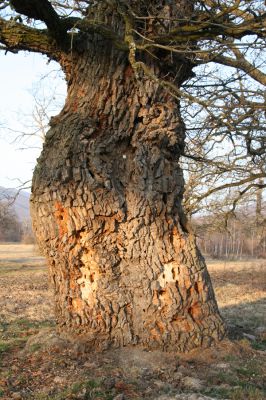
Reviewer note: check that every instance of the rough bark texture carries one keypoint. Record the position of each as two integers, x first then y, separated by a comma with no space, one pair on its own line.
106,208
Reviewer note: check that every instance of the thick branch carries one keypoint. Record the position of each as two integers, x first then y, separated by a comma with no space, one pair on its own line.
16,36
41,10
240,62
198,30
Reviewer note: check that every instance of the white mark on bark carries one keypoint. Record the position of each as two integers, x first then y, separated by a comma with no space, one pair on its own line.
89,279
167,275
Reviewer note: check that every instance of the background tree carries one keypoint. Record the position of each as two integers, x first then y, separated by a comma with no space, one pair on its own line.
107,190
10,227
232,236
15,224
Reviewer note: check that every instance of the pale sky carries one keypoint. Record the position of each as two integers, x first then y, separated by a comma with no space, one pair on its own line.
22,76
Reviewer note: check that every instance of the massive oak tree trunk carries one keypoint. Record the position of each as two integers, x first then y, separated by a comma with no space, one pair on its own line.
106,207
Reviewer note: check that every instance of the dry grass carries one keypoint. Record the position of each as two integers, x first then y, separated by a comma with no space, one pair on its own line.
23,284
240,288
44,368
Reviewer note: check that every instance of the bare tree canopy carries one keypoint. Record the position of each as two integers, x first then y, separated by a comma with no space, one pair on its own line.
107,191
223,32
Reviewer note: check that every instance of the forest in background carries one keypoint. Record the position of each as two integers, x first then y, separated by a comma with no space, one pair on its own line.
15,223
241,237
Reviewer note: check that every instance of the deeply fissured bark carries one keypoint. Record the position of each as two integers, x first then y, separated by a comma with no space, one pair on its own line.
106,208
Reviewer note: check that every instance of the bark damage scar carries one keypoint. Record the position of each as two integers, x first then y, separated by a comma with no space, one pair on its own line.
166,279
168,275
177,239
61,217
88,281
195,312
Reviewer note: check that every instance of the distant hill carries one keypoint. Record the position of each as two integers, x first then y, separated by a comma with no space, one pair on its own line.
21,204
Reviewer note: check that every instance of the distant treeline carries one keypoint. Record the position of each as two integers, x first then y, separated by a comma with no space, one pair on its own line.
11,228
237,237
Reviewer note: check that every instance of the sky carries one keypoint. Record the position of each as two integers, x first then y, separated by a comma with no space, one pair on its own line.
23,78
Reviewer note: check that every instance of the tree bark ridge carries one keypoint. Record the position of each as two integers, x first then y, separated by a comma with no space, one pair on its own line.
108,213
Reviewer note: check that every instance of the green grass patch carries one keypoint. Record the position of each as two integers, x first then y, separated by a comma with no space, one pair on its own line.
259,345
22,329
91,390
4,347
76,387
242,382
245,392
248,393
247,371
9,345
223,377
218,392
252,369
16,333
230,358
35,347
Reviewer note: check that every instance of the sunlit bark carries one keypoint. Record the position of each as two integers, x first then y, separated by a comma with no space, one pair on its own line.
106,207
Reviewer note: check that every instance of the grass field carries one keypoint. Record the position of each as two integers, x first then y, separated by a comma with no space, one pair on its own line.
37,364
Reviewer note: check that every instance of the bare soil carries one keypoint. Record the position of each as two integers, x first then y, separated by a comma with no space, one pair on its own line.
35,363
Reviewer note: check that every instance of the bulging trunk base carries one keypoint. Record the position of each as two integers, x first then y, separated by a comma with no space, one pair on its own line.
124,268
